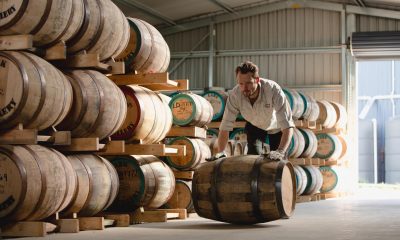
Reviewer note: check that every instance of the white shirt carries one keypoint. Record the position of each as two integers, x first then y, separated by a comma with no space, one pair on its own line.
270,112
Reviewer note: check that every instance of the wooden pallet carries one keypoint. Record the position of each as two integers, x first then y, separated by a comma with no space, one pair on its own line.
308,198
27,229
19,135
308,161
305,124
195,132
184,175
159,215
239,124
153,81
320,129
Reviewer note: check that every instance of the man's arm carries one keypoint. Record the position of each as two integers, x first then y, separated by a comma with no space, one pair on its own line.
287,134
223,136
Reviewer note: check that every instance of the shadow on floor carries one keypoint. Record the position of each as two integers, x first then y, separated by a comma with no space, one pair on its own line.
212,225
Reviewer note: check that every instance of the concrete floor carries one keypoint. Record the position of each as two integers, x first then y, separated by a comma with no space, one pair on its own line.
369,214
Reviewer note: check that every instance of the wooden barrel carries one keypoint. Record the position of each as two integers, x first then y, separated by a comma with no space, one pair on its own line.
314,180
329,146
212,143
343,140
35,182
212,133
99,106
310,143
238,134
190,109
149,118
295,102
147,49
49,21
196,153
244,189
298,144
104,31
301,179
238,148
327,114
144,181
330,179
311,108
182,196
97,185
217,100
32,92
341,115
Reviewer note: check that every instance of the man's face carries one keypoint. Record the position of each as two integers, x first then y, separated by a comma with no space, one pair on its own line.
247,84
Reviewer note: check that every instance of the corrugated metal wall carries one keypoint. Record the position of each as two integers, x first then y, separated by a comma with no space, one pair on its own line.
284,29
369,24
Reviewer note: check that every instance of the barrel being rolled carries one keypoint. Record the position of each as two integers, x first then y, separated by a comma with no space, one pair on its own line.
148,118
99,106
32,92
191,109
147,50
244,189
144,181
49,21
35,182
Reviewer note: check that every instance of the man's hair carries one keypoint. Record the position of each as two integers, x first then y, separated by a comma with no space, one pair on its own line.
247,67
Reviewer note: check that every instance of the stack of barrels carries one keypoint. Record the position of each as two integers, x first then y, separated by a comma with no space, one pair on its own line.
39,181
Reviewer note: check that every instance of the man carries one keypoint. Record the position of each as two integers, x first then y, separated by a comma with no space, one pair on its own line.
263,105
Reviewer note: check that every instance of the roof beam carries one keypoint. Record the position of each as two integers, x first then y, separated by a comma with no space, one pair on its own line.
149,11
373,12
223,5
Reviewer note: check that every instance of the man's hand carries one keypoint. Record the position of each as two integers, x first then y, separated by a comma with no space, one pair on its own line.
276,155
216,156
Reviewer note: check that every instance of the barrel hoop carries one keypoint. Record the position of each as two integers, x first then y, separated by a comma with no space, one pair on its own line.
84,27
90,177
132,55
66,176
214,189
25,88
255,198
65,29
44,18
278,189
99,31
156,183
42,87
63,80
24,179
44,182
191,160
101,102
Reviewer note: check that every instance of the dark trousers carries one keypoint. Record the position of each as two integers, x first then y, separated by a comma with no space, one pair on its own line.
257,137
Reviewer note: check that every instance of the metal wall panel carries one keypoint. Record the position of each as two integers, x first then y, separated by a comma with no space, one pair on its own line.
369,24
289,28
185,41
194,69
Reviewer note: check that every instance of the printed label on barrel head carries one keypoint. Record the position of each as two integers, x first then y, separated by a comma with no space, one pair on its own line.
130,181
216,103
8,10
330,179
326,146
183,160
182,109
128,128
10,185
11,85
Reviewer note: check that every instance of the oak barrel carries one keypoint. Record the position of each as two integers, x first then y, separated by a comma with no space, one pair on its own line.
217,100
298,144
182,196
341,115
311,108
196,153
144,181
212,143
97,185
104,30
148,118
32,92
327,114
191,109
329,146
49,21
330,179
35,182
310,143
301,179
99,106
314,180
147,50
296,102
244,189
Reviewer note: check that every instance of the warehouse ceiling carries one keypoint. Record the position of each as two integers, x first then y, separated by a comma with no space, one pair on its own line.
167,13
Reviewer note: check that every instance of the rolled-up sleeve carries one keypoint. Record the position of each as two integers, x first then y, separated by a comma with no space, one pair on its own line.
282,108
230,113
